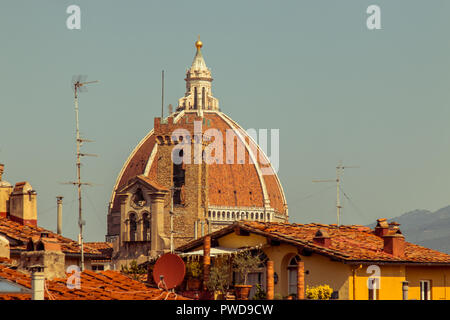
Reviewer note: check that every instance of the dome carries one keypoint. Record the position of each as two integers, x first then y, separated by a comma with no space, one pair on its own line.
215,193
233,185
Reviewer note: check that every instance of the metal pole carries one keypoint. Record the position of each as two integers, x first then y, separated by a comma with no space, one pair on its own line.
171,219
59,201
162,96
80,220
338,200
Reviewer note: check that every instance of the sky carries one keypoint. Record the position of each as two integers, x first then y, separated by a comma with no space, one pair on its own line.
376,99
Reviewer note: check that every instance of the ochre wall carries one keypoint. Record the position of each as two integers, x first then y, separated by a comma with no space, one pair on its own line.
340,276
390,288
321,269
440,281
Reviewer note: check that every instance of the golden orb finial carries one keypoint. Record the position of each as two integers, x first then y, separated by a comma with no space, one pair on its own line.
198,43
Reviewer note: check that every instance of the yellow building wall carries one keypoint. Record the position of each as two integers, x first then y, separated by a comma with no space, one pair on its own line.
440,281
324,271
233,240
321,269
390,284
351,281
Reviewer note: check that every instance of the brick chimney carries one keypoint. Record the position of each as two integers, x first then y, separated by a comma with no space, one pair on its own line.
46,252
394,241
322,238
23,208
382,227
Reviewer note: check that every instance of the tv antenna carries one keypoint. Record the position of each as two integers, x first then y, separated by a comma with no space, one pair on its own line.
162,96
339,173
79,85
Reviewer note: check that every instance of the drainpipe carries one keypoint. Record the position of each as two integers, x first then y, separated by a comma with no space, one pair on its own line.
59,211
37,283
405,290
354,280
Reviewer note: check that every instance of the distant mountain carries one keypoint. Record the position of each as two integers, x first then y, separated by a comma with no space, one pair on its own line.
426,228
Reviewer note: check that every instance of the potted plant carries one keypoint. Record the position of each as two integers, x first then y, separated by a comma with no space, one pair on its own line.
194,272
219,279
244,263
260,294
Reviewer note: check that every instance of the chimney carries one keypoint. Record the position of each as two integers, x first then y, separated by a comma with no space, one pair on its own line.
322,238
4,247
46,252
382,227
37,282
5,194
59,212
23,207
394,242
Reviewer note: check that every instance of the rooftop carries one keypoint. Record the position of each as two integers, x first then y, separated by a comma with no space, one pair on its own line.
349,244
19,234
105,285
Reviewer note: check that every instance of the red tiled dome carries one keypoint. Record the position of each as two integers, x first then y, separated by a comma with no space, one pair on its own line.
230,185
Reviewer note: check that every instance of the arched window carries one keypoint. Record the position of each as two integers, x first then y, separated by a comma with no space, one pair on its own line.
146,228
228,216
133,226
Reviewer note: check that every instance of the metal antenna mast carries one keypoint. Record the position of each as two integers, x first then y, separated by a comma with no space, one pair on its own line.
339,173
162,96
78,84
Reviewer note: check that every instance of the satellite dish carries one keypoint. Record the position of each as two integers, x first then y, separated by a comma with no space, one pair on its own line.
169,271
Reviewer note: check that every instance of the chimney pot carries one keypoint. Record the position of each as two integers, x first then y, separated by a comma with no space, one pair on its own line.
37,282
382,227
322,238
59,214
394,243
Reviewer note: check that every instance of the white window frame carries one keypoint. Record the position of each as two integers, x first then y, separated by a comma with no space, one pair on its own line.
374,290
425,295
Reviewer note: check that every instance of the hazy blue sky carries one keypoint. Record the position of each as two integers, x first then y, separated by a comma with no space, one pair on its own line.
336,90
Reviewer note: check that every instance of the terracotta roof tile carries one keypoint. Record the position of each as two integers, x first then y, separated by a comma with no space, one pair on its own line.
351,242
106,285
22,233
230,185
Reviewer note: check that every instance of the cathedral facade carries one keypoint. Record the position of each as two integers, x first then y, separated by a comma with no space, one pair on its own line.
159,203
